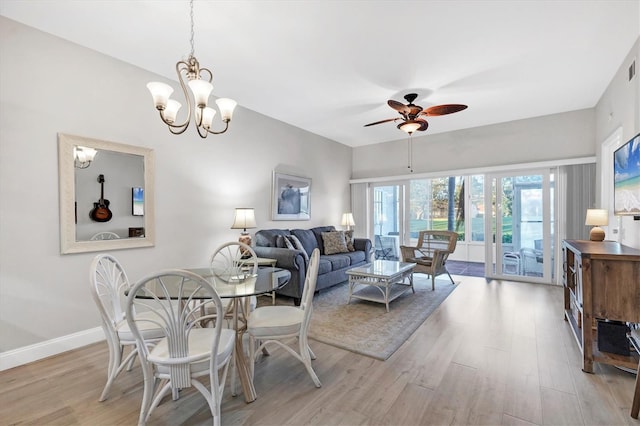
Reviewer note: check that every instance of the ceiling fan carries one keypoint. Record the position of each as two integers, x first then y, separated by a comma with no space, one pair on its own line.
411,115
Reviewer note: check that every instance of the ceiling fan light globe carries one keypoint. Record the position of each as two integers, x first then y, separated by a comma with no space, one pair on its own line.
409,126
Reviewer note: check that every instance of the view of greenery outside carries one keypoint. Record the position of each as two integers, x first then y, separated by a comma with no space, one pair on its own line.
433,208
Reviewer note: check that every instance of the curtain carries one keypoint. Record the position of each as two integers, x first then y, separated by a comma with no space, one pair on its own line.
359,208
576,194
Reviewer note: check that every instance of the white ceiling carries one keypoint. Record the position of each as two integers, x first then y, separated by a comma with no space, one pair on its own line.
329,66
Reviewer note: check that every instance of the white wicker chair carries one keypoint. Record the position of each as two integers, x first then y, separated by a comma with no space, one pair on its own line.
272,324
188,352
108,285
107,235
231,263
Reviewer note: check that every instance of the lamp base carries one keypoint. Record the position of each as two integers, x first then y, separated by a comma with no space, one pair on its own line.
245,238
596,234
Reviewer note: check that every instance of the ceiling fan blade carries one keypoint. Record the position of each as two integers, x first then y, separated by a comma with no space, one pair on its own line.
401,108
381,121
443,109
414,110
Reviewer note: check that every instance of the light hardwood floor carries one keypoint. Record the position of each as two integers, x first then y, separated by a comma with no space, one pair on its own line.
493,353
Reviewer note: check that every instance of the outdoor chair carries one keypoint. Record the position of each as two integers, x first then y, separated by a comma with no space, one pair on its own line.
431,253
382,252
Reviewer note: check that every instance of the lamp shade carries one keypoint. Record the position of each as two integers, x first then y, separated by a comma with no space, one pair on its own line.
597,217
347,219
226,106
244,219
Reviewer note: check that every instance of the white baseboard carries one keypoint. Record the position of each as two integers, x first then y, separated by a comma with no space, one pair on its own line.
37,351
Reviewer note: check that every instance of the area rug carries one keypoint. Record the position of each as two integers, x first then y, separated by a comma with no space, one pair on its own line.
367,328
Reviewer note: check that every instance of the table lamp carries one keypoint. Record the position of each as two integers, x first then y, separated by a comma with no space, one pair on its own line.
244,219
347,220
597,218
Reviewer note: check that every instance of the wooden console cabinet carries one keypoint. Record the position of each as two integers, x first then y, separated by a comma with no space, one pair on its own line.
601,281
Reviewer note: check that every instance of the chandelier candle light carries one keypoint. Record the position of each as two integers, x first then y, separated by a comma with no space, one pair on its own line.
200,82
83,156
244,219
597,218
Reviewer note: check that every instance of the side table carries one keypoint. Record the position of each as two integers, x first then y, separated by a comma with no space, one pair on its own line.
265,261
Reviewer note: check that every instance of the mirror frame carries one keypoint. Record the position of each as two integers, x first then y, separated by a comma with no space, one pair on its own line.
66,172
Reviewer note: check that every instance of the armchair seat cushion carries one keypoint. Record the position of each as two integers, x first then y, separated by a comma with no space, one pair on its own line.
423,260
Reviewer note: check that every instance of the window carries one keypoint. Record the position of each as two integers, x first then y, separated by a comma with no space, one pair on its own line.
437,203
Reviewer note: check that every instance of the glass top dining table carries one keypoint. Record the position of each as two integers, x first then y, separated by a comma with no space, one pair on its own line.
264,281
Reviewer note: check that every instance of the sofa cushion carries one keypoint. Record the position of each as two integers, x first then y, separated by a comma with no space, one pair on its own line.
334,242
317,231
338,261
307,239
267,237
355,257
324,266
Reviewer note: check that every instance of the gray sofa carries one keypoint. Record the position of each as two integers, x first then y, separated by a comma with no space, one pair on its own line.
332,267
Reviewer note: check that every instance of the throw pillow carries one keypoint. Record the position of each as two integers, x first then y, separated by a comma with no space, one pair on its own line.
287,243
297,245
334,242
348,236
280,241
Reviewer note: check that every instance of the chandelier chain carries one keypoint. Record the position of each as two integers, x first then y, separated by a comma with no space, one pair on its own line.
192,32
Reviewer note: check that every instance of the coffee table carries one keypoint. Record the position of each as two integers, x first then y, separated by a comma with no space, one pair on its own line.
380,281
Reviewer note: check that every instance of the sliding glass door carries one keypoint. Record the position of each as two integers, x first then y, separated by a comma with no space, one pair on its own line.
521,223
387,220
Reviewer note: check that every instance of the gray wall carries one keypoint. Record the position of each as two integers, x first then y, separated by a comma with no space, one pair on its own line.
552,137
48,85
619,106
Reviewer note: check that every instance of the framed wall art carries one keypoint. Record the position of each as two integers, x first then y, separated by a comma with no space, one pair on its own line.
291,197
137,201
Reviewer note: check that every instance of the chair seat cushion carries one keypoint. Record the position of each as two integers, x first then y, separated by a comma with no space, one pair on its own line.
275,321
149,329
423,260
200,341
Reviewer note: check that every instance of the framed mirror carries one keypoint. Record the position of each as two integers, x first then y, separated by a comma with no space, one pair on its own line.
106,195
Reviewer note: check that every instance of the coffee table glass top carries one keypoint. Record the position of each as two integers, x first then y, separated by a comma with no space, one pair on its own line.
382,268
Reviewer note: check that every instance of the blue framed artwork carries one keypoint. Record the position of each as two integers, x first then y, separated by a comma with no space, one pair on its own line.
137,201
291,197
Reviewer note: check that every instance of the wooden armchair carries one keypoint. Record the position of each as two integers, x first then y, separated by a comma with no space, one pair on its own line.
431,253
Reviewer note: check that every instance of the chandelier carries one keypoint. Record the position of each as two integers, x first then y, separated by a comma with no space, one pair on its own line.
199,81
83,156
